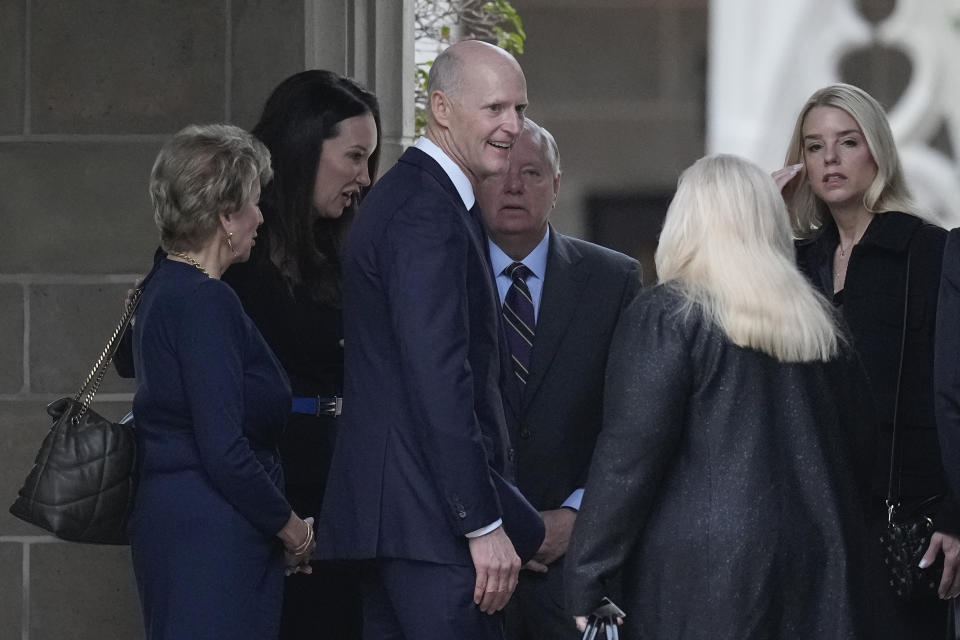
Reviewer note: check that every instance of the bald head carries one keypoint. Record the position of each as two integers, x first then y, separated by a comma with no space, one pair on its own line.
458,61
477,97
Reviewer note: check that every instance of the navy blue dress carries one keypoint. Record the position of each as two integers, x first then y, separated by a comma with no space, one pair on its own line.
210,406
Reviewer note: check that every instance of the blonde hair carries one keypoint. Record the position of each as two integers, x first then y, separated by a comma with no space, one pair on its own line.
888,192
726,246
202,171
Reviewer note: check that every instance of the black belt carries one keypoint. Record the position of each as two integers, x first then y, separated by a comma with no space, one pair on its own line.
317,406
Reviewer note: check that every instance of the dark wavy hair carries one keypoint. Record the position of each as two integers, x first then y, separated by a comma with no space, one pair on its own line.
302,112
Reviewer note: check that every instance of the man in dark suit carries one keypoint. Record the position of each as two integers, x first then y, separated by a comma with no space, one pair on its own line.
415,486
554,394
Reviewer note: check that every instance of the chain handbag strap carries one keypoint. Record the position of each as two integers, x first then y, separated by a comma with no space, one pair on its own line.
893,501
90,386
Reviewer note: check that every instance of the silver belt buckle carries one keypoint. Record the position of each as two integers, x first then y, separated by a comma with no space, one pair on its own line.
331,407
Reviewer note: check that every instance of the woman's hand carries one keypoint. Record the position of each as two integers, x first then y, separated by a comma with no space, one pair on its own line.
581,622
783,176
298,543
127,300
950,546
296,564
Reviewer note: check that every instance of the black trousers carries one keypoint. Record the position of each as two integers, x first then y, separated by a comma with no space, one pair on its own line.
327,604
535,612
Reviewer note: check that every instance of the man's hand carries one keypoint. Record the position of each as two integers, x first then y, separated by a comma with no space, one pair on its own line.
559,525
533,565
497,565
950,546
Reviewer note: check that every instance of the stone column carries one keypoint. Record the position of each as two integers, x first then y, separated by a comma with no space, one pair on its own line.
371,42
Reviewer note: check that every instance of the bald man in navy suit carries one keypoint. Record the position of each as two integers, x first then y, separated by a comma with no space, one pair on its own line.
416,488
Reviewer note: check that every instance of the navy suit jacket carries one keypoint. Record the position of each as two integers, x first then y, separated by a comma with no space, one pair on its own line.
555,421
947,361
422,440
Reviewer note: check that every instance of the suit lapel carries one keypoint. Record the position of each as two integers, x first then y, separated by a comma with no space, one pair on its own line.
562,288
470,218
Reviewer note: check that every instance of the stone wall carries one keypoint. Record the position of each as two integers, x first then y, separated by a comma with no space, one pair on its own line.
90,90
621,84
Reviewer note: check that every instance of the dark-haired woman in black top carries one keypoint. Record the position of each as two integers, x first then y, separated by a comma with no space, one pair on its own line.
323,134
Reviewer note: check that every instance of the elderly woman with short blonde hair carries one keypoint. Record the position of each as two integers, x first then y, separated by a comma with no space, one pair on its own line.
211,530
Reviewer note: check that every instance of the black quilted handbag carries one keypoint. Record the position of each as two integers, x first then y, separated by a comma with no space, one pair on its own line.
82,483
904,542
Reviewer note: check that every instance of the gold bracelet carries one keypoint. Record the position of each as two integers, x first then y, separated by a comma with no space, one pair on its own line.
308,541
303,546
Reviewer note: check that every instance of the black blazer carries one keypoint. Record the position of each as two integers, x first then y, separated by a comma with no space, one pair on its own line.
947,361
872,306
422,443
554,424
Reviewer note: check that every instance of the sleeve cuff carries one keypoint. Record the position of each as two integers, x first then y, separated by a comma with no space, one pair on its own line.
485,530
573,502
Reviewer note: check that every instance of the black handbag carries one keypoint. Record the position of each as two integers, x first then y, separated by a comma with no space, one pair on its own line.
904,542
602,623
81,486
908,531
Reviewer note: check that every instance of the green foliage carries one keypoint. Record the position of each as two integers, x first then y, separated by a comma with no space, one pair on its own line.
420,111
512,40
494,21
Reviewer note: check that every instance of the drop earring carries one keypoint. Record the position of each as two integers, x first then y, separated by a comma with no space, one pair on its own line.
229,240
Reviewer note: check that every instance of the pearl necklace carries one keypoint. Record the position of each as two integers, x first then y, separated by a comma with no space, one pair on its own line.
190,261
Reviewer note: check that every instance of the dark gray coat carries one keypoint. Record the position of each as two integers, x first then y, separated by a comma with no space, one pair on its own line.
728,487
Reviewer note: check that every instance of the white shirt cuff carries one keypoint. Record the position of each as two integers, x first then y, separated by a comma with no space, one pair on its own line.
573,502
485,530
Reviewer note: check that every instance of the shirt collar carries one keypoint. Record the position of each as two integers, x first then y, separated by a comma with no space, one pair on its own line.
454,172
536,260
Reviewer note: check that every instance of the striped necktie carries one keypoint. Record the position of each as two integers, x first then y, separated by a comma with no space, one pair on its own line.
520,323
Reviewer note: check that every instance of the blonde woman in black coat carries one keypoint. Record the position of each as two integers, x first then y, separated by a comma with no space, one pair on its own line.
729,479
850,206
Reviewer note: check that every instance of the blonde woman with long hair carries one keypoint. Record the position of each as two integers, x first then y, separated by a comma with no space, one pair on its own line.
861,235
726,493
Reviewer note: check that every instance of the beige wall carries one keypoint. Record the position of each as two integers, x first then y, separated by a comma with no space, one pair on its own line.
88,92
621,85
